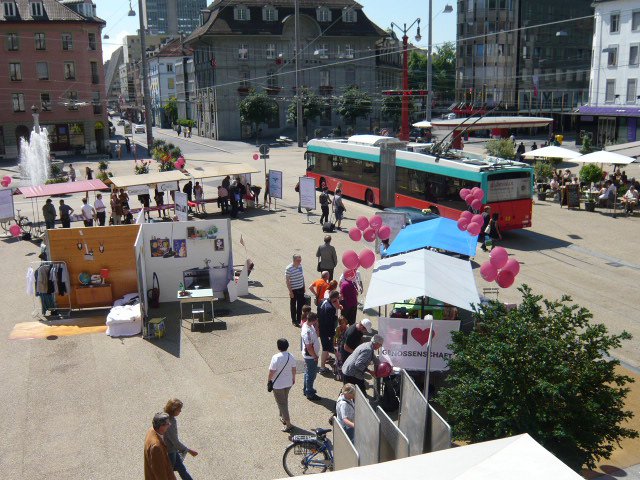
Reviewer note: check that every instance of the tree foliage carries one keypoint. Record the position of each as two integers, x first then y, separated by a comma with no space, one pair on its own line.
542,369
591,173
443,68
171,109
501,147
542,170
312,106
392,109
257,108
353,104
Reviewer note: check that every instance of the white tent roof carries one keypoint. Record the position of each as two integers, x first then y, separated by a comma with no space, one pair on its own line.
419,273
603,156
422,124
147,178
552,152
631,149
221,170
518,457
491,122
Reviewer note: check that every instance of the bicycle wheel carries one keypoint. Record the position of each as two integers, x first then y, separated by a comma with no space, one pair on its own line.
305,458
6,225
25,224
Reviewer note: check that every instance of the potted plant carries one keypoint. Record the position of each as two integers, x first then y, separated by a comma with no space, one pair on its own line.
542,171
590,174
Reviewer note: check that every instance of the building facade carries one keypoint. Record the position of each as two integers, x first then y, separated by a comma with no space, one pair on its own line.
249,44
52,62
186,87
611,115
173,17
112,78
521,55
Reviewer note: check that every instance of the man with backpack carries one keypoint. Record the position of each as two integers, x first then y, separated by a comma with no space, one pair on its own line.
325,201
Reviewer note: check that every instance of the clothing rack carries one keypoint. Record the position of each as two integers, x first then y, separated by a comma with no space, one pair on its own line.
36,307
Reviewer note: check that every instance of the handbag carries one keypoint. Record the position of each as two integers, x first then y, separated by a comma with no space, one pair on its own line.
319,267
488,229
271,382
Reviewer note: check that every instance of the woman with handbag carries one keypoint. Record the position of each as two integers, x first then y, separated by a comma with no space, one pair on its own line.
282,376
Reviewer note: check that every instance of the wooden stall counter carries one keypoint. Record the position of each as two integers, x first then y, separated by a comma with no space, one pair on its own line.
91,296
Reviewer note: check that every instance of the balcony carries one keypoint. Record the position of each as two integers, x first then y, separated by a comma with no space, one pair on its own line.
243,90
273,90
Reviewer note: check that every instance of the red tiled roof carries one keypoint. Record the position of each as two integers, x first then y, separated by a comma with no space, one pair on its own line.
53,11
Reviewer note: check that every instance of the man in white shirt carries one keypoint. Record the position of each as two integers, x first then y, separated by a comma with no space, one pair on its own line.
630,199
282,372
88,213
101,210
310,352
609,193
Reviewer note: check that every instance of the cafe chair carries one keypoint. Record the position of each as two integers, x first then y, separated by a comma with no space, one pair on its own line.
198,309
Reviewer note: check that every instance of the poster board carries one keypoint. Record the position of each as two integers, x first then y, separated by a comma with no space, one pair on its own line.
138,190
275,184
571,196
395,221
307,193
405,342
6,204
167,186
182,209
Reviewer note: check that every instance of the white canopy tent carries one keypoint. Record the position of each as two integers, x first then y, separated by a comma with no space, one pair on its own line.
518,457
151,178
552,152
221,170
630,149
602,156
422,273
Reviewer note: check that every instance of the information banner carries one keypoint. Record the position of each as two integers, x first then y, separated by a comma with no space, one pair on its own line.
168,186
6,204
405,342
308,193
138,190
509,189
275,184
182,209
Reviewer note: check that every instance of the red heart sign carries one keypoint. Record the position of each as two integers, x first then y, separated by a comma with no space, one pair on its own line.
421,335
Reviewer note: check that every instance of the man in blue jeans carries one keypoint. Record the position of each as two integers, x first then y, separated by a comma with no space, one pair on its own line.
310,351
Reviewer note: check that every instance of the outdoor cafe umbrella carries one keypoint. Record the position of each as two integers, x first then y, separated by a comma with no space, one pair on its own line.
602,156
552,152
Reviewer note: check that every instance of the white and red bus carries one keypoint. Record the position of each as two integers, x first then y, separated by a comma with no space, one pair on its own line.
379,171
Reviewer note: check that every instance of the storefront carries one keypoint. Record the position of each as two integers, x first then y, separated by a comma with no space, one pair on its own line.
609,125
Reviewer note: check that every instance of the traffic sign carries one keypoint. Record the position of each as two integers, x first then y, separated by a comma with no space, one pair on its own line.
264,149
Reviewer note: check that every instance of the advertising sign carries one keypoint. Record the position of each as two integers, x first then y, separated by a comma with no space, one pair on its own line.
6,204
167,186
405,342
138,190
509,189
308,193
275,184
182,208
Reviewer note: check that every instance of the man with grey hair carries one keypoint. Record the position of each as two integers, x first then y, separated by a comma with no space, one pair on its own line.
355,367
294,278
327,256
157,465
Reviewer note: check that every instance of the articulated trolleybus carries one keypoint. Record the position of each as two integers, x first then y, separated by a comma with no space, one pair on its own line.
381,171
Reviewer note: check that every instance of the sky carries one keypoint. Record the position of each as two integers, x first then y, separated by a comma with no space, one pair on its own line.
381,12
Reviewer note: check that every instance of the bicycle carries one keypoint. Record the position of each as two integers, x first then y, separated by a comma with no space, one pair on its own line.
309,454
22,221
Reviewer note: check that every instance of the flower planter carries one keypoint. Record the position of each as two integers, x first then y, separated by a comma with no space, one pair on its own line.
590,206
542,195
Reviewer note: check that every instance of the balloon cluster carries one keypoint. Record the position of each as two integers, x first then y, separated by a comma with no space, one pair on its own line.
500,268
180,162
468,221
369,229
6,181
15,230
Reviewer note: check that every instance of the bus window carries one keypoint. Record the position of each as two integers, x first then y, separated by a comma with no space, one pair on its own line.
506,186
336,163
311,162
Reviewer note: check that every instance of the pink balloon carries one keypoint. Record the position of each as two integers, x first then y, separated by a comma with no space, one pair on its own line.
375,222
350,275
355,234
4,183
369,234
384,233
362,223
499,257
463,223
474,228
367,258
479,194
505,278
464,192
350,259
476,204
477,218
474,190
488,271
512,266
466,215
256,156
15,230
469,198
7,179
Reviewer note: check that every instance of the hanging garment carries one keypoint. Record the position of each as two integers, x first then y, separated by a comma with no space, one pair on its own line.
31,282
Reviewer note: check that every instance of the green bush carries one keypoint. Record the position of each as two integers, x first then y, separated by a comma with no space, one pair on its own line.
542,170
591,173
56,170
103,165
317,133
102,175
501,148
56,180
185,122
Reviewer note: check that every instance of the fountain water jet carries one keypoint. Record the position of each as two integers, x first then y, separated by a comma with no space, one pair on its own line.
35,165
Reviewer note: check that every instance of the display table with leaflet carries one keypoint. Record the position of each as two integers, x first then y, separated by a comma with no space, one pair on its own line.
202,296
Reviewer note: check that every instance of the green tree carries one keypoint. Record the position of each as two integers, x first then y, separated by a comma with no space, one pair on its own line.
312,106
587,143
392,109
443,68
353,104
542,369
257,108
501,148
171,109
590,173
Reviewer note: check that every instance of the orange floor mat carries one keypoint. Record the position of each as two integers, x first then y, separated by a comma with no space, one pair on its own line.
32,330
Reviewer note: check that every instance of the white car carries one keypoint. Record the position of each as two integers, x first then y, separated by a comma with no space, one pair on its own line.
121,122
139,129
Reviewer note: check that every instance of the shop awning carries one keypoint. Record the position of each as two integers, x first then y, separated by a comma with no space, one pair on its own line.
440,233
222,170
552,152
610,158
148,178
422,273
631,149
62,188
491,122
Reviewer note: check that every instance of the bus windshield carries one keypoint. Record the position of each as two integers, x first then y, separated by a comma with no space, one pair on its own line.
507,186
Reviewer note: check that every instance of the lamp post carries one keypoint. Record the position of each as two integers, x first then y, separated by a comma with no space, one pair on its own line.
447,9
145,75
299,120
404,129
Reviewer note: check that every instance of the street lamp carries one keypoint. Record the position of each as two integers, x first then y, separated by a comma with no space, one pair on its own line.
447,9
404,129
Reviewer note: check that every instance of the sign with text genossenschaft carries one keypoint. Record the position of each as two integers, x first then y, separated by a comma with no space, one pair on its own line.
405,342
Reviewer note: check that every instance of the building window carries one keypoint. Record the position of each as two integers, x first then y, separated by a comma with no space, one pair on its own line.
92,41
269,13
15,72
244,79
41,41
349,16
95,77
171,83
323,14
271,50
36,9
243,52
325,79
69,71
241,13
631,90
633,55
9,9
42,70
67,41
323,50
610,91
13,42
272,79
169,67
614,23
45,102
612,56
350,76
97,105
635,21
349,52
18,102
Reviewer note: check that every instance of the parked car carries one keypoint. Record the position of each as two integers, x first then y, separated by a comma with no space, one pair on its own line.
139,129
121,122
412,215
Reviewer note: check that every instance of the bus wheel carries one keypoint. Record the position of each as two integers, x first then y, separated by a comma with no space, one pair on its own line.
368,198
